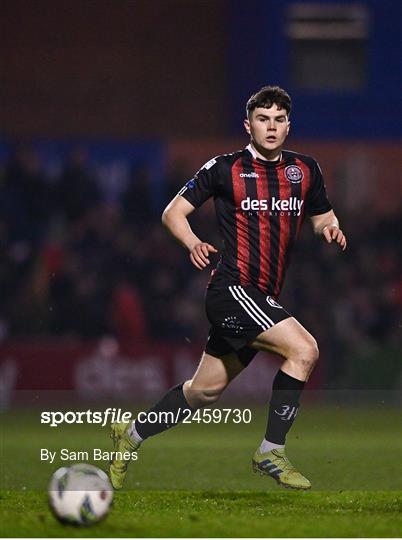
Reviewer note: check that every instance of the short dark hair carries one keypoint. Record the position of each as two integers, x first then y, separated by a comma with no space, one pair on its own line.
268,96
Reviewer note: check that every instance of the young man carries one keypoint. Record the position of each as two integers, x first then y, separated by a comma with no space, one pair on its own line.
261,194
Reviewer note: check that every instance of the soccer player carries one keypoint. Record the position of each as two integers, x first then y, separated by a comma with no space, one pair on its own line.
262,195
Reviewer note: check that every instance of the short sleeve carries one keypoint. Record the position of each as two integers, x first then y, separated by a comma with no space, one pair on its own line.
203,185
317,200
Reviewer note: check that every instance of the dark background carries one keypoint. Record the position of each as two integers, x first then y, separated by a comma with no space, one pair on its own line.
168,68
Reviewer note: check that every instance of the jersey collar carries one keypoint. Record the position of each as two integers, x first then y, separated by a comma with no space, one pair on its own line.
254,154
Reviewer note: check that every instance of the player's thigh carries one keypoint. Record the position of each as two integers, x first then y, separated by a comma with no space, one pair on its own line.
215,373
286,338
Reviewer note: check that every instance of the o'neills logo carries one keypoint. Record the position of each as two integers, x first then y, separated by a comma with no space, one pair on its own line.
249,175
273,205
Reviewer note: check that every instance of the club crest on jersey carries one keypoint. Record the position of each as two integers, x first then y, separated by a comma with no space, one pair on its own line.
294,174
272,303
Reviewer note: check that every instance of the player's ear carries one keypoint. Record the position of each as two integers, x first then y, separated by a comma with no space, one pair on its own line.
247,125
287,131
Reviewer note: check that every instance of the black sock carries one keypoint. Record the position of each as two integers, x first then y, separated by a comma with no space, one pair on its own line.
168,412
284,406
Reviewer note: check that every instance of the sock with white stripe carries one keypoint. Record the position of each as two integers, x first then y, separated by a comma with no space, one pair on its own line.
165,414
133,433
267,446
284,405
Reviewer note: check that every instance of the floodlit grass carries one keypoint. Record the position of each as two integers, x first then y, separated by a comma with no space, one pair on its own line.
216,514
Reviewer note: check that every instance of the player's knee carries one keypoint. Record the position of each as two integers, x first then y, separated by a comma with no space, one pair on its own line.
306,353
207,396
210,396
198,398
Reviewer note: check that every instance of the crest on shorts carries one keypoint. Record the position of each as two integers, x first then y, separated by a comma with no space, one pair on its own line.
294,174
272,302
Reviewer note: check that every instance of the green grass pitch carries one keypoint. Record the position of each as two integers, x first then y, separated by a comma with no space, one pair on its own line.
196,480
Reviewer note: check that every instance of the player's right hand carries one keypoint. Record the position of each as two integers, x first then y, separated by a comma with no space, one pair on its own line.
199,254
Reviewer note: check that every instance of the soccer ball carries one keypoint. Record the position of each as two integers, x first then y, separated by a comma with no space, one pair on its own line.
80,494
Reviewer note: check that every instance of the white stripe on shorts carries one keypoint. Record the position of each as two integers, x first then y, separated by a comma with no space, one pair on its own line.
244,295
249,309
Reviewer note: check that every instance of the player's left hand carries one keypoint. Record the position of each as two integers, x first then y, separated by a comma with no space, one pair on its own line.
334,233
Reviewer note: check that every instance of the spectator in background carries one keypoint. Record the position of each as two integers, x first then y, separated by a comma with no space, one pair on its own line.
27,199
137,199
127,314
77,190
26,205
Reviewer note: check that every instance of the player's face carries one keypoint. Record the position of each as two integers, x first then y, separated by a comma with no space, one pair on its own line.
268,129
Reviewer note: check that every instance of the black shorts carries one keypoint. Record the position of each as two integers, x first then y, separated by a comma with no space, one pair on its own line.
238,314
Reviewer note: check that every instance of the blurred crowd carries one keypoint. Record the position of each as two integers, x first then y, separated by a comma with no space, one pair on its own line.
76,265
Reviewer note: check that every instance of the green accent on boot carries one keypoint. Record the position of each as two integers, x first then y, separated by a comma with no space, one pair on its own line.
122,444
276,464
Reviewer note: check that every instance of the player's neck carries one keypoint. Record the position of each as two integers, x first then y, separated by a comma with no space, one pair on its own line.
261,153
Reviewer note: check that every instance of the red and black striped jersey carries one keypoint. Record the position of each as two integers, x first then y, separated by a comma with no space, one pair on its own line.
260,207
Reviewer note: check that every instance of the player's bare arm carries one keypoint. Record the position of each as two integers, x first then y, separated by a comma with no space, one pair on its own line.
327,225
175,220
